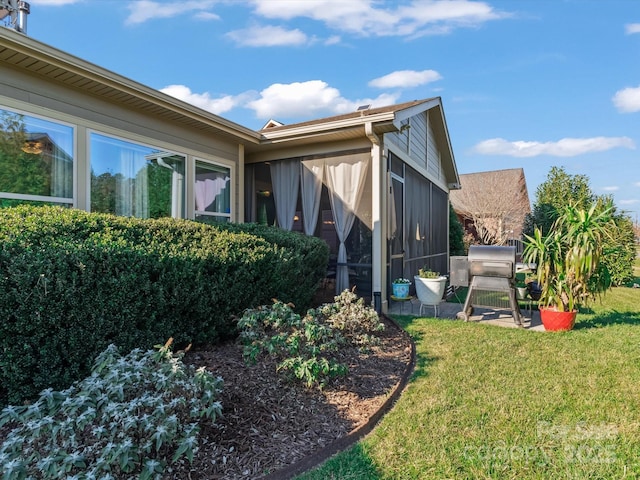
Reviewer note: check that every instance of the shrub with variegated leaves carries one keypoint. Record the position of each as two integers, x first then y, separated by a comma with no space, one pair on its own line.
134,415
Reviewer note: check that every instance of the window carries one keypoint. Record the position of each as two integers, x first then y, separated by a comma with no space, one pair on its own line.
36,161
135,180
212,193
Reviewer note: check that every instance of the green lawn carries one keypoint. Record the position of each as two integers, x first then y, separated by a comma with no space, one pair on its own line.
493,402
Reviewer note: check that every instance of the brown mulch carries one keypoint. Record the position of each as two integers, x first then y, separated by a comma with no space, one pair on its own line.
269,424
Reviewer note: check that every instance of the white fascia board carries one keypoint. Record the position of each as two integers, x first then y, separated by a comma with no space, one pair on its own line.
406,113
321,128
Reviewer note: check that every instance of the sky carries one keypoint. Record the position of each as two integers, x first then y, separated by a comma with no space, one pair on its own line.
524,83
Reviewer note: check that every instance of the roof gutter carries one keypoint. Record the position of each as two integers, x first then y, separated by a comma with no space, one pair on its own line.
371,135
316,128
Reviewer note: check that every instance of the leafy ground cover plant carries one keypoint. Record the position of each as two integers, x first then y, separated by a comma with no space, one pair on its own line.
135,415
306,345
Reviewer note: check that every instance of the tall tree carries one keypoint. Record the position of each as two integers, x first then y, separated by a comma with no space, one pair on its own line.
557,191
561,189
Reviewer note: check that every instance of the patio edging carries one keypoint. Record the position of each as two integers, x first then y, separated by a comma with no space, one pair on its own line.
342,443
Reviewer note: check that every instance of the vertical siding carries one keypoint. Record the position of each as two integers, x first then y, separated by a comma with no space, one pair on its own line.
400,139
434,164
418,145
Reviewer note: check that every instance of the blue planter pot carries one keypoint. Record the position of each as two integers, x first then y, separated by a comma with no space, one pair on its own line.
400,290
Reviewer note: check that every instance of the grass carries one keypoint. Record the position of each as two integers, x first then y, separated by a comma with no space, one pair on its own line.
491,402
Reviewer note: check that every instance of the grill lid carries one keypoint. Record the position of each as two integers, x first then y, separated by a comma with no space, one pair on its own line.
492,261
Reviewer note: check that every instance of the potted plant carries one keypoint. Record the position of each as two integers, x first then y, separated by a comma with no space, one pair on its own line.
569,272
430,287
533,287
400,287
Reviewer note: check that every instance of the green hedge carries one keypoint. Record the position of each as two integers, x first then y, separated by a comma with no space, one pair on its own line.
72,283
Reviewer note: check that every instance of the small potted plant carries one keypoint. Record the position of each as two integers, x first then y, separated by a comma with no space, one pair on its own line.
400,287
430,287
569,270
522,290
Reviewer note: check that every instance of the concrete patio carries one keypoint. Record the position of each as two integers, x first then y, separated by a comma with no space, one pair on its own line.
449,311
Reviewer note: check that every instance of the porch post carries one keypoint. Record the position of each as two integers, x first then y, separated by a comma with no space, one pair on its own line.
378,216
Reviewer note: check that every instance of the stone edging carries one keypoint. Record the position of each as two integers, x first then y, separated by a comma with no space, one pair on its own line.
343,443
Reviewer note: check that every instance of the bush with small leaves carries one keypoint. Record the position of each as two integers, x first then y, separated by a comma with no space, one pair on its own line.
305,346
133,416
352,317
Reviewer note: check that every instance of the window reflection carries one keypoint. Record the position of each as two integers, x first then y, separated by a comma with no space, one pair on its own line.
36,160
212,193
133,180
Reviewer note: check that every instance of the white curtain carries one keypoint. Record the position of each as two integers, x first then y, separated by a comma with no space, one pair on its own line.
311,188
345,180
285,179
208,189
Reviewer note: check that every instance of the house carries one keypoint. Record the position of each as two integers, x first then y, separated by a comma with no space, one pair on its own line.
492,205
373,183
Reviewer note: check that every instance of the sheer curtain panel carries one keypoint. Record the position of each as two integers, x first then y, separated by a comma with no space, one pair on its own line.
285,179
312,172
345,181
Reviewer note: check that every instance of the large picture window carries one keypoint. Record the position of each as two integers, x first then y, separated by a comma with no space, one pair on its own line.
134,180
212,193
36,160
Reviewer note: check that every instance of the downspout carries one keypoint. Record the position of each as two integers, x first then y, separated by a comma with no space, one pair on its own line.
378,246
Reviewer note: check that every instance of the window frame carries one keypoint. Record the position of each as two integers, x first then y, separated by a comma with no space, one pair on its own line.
92,131
220,164
62,201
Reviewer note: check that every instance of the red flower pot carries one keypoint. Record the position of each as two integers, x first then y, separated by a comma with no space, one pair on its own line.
553,320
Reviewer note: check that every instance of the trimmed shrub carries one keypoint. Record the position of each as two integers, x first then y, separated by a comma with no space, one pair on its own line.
72,283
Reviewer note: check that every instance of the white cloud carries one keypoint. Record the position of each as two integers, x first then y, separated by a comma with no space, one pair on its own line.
206,16
405,79
375,18
612,188
631,28
299,100
204,100
333,40
268,36
143,10
630,201
53,3
566,147
308,100
627,100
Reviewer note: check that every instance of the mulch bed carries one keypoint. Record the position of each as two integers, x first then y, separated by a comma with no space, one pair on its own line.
270,424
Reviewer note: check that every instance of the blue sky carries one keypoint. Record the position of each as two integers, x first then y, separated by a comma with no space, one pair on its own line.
524,83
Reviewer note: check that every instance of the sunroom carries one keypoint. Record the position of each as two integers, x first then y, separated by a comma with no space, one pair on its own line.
374,184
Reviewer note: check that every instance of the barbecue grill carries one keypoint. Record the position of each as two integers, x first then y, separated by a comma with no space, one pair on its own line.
489,271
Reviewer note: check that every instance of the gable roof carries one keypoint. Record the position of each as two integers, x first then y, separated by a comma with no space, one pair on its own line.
363,123
485,189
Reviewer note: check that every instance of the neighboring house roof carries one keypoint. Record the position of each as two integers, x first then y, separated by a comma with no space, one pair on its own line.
492,193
